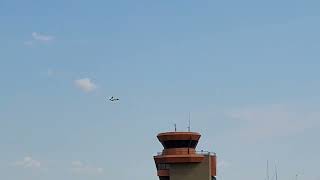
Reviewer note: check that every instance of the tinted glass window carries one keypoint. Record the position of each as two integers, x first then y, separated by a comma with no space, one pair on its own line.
163,166
164,178
180,144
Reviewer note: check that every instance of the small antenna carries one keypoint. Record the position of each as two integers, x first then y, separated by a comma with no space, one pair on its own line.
276,171
189,127
175,127
268,170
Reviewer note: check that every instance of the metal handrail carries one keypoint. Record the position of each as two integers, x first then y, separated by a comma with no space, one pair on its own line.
197,152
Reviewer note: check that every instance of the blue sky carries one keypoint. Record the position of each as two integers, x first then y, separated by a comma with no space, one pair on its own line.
248,71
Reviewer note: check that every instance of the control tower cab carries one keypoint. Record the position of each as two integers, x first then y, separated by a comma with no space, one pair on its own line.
179,159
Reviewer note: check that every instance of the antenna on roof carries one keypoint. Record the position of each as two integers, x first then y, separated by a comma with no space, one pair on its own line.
268,170
276,171
175,127
189,126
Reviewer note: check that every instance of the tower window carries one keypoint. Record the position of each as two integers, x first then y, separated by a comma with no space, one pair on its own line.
164,178
163,166
179,144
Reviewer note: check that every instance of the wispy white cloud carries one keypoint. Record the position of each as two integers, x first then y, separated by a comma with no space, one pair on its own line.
50,72
28,43
85,84
273,121
41,37
80,168
28,162
37,37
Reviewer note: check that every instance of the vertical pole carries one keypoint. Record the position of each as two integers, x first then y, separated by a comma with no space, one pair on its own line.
268,170
276,172
189,127
189,145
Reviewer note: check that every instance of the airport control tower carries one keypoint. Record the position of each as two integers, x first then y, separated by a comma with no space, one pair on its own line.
179,159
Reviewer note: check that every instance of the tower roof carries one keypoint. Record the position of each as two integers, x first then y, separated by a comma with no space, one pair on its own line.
173,136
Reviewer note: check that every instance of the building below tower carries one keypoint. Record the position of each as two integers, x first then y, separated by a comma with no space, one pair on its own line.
179,159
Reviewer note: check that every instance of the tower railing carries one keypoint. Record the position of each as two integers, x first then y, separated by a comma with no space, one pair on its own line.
197,152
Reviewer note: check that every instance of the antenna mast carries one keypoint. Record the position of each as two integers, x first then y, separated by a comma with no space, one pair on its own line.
276,171
189,127
268,170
